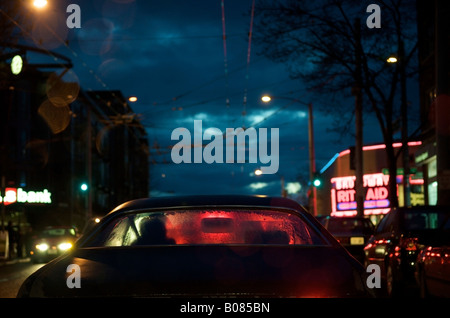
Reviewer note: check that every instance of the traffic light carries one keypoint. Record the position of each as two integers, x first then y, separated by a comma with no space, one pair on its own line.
16,64
84,187
317,180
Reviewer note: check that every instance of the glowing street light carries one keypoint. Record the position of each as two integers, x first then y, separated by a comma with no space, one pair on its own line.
266,98
40,3
132,99
392,59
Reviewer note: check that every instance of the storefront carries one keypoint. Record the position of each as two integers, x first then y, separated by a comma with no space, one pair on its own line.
425,158
19,195
17,204
337,196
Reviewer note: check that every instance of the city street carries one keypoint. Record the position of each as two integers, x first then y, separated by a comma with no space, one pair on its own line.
12,275
277,148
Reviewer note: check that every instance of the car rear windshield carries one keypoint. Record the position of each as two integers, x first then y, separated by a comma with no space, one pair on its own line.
193,227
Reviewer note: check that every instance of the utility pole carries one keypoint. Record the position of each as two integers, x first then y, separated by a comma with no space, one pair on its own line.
89,164
404,116
357,92
312,157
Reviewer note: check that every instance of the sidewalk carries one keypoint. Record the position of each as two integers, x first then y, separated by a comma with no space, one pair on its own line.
14,261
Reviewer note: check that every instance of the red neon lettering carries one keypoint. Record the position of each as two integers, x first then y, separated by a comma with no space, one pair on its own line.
377,194
10,196
345,196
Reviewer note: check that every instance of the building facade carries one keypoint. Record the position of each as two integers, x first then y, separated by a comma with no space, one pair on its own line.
337,195
429,157
56,137
434,80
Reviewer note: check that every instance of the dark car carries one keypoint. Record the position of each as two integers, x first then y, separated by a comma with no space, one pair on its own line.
433,264
214,246
397,241
352,232
52,242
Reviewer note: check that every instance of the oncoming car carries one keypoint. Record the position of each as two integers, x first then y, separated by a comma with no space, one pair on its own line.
52,242
204,246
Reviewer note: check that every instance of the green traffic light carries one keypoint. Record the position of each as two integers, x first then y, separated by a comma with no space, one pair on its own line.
16,65
84,187
317,182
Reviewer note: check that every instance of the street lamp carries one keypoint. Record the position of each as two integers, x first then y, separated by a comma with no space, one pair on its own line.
266,98
312,157
392,59
40,3
404,119
259,172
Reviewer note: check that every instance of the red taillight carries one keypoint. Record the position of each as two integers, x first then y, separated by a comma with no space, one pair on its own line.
409,243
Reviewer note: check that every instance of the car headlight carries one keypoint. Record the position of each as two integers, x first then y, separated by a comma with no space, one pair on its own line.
65,246
42,247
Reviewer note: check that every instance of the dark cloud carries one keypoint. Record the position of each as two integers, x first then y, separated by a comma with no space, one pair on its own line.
170,54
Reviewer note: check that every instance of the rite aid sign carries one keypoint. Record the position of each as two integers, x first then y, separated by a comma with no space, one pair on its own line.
13,195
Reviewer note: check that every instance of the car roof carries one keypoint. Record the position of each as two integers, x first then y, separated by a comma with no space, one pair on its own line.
208,200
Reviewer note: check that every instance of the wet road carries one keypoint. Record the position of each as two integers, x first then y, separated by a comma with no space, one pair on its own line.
12,275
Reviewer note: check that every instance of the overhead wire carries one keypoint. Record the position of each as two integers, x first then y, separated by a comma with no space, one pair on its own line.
244,111
159,38
225,57
154,112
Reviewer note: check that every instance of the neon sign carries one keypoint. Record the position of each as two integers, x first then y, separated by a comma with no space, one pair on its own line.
343,195
13,195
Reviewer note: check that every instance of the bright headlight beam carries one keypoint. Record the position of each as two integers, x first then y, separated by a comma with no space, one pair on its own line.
42,247
65,246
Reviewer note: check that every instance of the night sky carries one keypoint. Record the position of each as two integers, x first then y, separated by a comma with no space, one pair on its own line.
171,55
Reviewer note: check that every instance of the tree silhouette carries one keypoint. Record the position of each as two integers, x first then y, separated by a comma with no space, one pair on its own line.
331,47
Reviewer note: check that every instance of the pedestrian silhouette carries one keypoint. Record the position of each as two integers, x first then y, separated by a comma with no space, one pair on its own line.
153,232
12,240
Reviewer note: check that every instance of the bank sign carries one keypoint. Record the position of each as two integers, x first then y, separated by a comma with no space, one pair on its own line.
343,195
19,195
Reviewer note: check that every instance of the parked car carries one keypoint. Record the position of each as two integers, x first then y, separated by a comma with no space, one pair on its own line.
433,264
214,246
352,232
52,242
397,241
